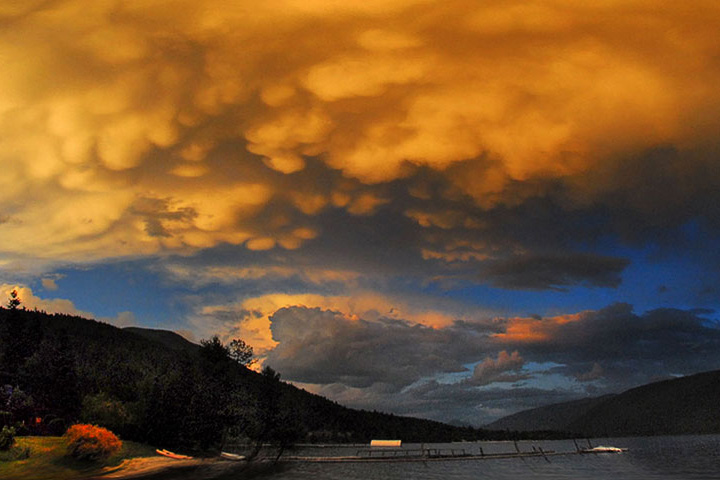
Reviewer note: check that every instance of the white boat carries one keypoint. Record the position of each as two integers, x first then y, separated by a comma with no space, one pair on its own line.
604,449
232,456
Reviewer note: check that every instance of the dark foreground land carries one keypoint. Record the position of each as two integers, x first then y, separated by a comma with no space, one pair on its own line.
47,461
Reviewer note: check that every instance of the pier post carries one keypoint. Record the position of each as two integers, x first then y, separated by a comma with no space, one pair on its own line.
543,454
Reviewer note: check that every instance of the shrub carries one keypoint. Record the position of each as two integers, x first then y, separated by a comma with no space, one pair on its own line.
90,442
7,438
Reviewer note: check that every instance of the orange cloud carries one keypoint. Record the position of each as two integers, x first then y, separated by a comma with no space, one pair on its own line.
535,330
213,105
250,318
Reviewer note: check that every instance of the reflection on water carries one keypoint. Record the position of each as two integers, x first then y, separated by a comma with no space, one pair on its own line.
686,458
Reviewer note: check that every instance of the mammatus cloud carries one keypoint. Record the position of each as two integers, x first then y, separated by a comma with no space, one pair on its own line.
287,160
179,128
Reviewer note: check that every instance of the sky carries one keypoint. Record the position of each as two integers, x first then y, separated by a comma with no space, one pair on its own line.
450,209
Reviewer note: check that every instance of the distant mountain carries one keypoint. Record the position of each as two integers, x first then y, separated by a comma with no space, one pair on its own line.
555,417
166,337
686,405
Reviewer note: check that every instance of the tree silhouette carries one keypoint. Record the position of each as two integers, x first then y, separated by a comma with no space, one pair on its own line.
213,350
14,301
241,352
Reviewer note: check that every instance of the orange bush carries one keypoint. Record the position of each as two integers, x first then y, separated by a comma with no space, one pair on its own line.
90,442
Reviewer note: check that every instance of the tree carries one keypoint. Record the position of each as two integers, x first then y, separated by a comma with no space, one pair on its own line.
213,350
14,301
241,352
51,377
269,372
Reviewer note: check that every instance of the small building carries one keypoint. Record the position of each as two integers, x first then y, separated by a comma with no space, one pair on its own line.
386,443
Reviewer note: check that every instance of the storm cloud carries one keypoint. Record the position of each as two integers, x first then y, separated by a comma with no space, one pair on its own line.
555,272
323,346
216,113
463,191
364,362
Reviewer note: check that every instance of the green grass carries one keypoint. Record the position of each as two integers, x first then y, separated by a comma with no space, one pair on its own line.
47,460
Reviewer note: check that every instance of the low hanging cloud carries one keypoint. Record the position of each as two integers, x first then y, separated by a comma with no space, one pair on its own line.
251,318
292,158
505,368
324,346
631,347
595,373
414,369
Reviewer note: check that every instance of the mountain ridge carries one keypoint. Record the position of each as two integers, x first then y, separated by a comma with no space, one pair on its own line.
685,405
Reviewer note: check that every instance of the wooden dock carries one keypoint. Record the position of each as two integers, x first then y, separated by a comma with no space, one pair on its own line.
434,454
429,456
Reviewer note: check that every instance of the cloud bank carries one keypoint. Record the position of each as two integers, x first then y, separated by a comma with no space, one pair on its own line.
315,176
156,128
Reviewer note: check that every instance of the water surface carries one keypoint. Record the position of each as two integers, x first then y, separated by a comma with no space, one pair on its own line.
683,457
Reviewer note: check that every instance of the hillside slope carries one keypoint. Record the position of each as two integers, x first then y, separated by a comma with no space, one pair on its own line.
686,405
155,387
166,337
556,417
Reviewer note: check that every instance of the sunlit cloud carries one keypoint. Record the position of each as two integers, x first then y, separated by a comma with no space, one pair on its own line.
252,318
504,368
115,106
376,170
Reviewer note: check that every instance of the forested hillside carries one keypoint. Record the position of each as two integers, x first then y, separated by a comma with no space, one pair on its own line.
156,387
687,405
557,416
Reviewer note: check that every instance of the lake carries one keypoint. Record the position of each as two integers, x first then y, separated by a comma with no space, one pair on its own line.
682,457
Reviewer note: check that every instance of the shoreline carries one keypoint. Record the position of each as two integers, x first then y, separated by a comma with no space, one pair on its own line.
157,468
146,467
47,460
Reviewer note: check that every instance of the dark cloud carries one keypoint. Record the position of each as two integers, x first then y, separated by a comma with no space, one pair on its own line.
157,213
389,362
504,368
553,272
653,193
323,346
595,373
329,148
631,348
457,402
